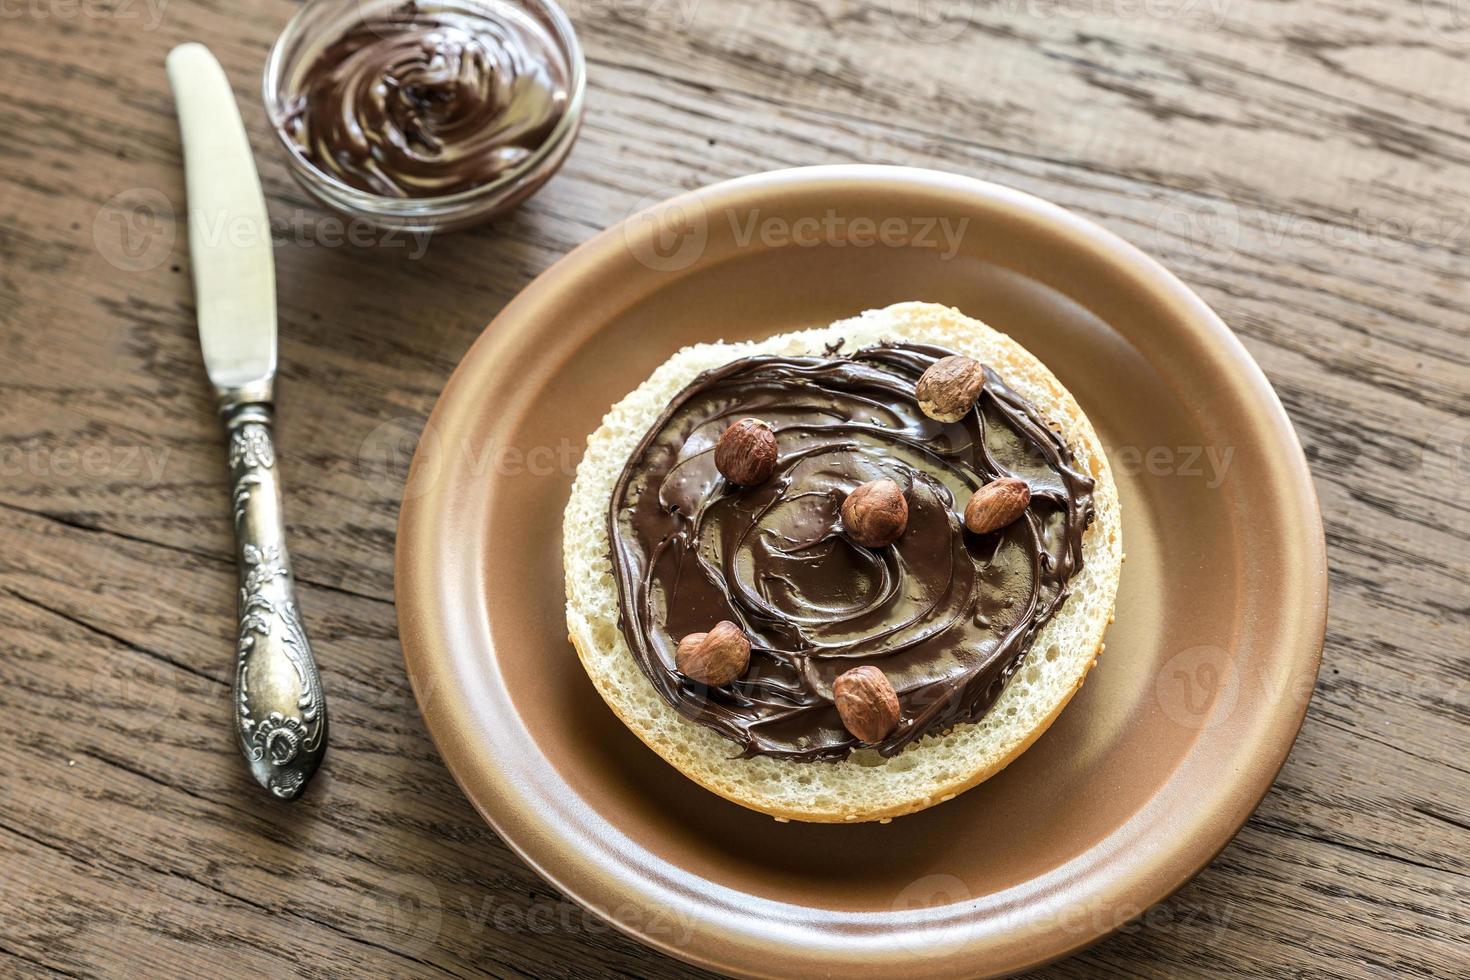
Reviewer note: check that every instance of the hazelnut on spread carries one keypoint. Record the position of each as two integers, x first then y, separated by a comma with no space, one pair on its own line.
875,514
428,99
715,658
841,567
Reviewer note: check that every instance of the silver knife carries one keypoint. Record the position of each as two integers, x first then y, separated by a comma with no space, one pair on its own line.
280,712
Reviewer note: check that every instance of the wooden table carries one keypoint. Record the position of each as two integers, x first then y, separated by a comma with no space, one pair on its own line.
1306,167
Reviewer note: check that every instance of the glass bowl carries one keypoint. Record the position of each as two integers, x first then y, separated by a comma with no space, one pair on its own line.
320,22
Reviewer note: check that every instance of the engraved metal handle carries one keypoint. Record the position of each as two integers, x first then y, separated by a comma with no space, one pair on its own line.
281,712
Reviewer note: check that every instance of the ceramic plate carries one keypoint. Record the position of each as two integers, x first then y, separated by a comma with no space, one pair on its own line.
1171,743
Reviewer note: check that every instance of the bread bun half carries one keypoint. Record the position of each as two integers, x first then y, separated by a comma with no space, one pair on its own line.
864,786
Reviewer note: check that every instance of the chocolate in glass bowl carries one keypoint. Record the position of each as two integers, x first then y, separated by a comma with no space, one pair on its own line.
425,114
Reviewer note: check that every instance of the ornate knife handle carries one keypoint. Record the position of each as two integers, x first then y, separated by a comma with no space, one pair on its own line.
282,712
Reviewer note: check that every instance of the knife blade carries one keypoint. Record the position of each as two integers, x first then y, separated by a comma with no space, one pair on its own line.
229,233
279,707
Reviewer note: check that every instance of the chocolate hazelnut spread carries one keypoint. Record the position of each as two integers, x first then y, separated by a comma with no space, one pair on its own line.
946,614
429,99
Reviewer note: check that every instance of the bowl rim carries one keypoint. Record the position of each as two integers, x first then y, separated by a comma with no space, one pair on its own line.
572,846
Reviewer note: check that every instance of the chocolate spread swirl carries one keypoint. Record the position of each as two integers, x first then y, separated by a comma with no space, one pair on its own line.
428,100
948,615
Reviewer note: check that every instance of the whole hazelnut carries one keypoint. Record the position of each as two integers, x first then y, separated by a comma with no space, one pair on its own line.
947,390
996,505
746,453
715,658
875,514
867,703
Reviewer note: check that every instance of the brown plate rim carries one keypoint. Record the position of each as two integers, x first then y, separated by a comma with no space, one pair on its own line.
499,768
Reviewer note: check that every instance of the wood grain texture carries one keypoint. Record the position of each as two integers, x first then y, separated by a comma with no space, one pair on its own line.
1306,167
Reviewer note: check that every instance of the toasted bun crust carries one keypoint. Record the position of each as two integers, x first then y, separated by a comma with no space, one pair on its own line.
864,786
